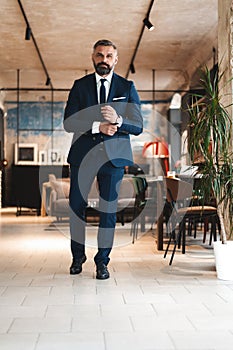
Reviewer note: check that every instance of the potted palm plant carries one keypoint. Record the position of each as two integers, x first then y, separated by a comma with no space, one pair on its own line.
211,139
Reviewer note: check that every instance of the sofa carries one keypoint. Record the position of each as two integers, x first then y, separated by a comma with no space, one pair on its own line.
57,199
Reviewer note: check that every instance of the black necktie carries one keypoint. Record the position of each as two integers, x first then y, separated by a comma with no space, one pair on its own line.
102,91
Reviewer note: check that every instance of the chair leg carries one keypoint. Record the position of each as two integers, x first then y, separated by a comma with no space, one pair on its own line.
206,227
134,230
180,239
213,232
183,233
191,225
174,250
135,236
195,223
172,233
179,235
133,224
122,218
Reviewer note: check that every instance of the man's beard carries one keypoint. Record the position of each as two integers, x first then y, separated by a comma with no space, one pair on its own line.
102,68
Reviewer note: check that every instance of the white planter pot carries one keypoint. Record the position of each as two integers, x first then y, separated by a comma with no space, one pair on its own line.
224,260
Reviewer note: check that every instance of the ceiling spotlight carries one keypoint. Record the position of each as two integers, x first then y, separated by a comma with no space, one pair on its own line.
28,33
148,24
48,81
132,68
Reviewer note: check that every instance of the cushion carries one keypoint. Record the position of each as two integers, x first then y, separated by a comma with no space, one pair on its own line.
61,187
61,206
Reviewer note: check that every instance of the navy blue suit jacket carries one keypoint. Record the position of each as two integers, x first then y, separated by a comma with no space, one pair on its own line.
82,110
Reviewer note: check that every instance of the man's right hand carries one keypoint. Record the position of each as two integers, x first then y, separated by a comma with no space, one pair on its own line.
107,128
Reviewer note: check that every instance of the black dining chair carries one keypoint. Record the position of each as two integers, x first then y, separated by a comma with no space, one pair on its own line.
179,195
140,186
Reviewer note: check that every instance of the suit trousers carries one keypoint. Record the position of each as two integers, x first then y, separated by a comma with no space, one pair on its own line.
95,164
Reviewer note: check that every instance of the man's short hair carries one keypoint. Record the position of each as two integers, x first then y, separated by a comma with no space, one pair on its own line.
104,42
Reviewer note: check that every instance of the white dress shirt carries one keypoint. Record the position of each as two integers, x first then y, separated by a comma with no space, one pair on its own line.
107,84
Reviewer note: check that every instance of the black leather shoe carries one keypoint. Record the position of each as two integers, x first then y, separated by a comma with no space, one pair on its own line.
76,266
102,272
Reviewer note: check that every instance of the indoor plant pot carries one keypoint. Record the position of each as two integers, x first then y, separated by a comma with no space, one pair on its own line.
211,138
224,260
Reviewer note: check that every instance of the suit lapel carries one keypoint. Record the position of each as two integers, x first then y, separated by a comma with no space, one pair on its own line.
92,87
112,90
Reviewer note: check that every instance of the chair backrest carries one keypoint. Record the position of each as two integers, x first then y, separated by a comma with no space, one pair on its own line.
178,194
126,188
178,190
140,185
52,177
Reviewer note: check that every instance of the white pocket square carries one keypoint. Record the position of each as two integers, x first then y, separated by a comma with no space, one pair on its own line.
118,98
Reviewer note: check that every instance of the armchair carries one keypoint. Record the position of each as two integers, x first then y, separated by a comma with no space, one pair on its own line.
58,199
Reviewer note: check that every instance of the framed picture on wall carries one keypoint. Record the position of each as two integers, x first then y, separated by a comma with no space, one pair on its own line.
26,154
54,156
43,157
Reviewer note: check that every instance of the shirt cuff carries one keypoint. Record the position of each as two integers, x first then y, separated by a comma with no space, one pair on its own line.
95,128
119,121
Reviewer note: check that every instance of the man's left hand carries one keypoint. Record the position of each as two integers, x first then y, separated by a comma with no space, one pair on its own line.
109,114
107,128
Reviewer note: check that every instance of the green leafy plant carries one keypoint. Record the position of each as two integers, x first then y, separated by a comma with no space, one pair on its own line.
210,140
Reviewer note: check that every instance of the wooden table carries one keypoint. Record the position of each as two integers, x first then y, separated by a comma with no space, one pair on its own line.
160,216
157,183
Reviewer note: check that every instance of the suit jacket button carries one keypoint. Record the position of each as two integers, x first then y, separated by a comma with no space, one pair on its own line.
93,138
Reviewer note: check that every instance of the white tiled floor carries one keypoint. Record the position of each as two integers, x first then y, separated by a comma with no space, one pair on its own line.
145,305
